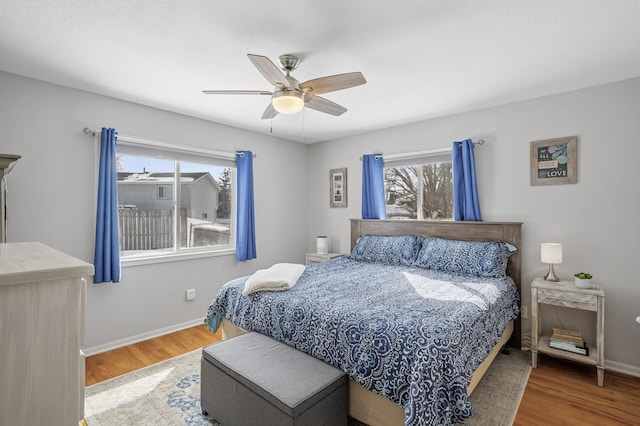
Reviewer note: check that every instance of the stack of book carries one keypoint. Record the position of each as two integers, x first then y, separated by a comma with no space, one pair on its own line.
568,340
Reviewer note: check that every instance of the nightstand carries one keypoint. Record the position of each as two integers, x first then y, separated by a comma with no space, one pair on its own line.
312,258
566,294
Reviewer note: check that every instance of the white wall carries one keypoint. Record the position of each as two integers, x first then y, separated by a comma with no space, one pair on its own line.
52,199
596,219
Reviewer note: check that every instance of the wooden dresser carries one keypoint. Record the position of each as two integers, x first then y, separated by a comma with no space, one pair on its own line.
42,304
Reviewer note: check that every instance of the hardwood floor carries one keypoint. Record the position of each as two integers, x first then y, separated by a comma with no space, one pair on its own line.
123,360
558,392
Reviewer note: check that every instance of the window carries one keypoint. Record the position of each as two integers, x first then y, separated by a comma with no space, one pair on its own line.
164,192
174,202
419,187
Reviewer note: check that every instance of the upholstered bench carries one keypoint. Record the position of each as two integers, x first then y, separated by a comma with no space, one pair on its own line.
253,379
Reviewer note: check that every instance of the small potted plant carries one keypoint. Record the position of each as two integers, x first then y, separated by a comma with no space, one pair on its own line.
583,280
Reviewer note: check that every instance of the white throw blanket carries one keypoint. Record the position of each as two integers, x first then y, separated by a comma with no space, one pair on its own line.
279,277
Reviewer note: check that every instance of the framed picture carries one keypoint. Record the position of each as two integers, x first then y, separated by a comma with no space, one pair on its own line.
554,161
338,187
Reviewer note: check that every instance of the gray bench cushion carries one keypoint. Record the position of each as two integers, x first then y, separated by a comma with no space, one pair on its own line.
289,379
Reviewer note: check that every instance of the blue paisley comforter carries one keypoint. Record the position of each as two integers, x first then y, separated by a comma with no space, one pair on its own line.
410,334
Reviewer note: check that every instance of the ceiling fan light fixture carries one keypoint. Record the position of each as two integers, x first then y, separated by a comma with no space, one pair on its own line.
287,102
289,96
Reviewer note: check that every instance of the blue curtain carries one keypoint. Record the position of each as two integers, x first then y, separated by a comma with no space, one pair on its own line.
373,204
466,206
107,251
246,227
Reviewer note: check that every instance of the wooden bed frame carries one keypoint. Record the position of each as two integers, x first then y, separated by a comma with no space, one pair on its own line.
376,410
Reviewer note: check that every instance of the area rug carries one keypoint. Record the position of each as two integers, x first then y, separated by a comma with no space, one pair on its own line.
496,399
168,393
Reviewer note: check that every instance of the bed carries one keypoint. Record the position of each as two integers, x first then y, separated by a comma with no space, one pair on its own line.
414,338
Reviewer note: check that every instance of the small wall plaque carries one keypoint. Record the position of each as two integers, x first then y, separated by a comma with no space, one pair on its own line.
554,161
338,187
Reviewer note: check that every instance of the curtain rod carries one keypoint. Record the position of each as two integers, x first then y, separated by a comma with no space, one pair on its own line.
434,151
133,141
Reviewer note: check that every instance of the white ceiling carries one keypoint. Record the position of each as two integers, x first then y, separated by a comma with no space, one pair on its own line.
422,58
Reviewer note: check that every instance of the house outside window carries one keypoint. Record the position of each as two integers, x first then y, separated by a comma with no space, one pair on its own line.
419,188
174,203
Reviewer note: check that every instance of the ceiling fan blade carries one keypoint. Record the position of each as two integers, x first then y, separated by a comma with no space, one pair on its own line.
323,105
333,82
270,112
269,70
236,92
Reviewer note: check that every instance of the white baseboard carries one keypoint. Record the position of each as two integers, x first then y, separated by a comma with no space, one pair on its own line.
619,367
140,337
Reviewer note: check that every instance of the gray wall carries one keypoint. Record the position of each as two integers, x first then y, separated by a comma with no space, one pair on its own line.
52,196
144,195
596,219
203,198
52,199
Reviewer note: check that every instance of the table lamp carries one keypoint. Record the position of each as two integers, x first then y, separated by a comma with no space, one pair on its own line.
551,253
322,245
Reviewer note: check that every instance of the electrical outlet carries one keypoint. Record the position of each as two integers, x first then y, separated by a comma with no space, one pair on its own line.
524,312
191,294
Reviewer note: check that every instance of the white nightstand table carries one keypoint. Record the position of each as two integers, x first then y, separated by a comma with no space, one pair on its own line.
312,258
566,294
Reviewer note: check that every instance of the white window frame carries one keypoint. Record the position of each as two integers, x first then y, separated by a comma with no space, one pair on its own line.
419,158
154,148
164,191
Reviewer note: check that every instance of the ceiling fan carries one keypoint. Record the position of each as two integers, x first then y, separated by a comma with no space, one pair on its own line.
288,95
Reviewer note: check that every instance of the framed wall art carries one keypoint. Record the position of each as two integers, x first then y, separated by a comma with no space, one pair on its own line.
338,187
554,161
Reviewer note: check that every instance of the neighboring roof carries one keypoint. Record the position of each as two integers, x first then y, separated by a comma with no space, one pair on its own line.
193,175
163,178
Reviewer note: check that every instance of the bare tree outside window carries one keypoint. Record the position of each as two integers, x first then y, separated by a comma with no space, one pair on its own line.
401,192
224,196
437,191
430,197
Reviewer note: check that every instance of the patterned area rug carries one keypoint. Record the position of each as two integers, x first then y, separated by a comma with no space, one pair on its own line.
168,393
496,399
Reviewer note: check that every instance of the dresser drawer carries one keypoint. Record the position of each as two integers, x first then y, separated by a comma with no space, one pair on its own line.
587,302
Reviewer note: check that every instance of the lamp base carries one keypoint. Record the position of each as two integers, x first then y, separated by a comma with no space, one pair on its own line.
551,275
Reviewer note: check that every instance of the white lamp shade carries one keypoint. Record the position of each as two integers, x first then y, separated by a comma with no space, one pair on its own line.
288,102
322,245
551,253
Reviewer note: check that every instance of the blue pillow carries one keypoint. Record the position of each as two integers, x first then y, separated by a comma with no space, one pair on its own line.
483,259
390,250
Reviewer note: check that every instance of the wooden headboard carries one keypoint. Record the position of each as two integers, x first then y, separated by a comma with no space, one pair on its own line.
509,232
